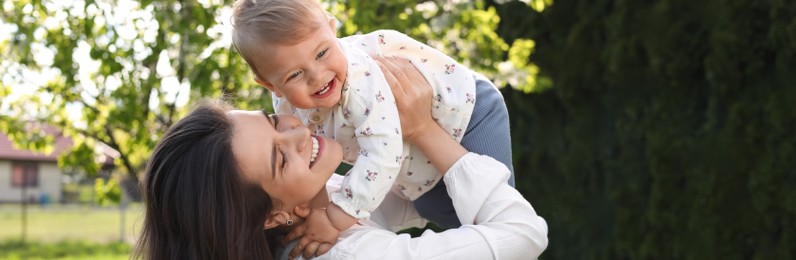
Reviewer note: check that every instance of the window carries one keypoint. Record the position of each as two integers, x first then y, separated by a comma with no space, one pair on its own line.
24,175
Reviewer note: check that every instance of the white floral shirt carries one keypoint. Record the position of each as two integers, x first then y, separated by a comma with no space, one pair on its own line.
366,121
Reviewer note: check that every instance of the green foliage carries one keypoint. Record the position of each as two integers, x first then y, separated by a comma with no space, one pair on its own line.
465,30
108,192
667,132
67,249
29,137
121,72
80,159
73,193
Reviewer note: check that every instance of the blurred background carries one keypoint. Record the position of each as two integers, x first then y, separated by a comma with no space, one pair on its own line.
641,129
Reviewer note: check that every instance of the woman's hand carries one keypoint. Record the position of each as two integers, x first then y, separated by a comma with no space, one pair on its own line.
412,95
413,98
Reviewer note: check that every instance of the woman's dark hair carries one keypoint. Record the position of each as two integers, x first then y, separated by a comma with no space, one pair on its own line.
197,203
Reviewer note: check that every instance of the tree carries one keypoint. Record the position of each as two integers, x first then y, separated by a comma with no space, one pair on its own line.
668,133
121,72
116,72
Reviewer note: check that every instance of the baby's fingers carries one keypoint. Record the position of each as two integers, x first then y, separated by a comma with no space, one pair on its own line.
299,248
296,233
311,250
296,251
323,248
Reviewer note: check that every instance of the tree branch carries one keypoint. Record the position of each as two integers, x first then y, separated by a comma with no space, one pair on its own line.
125,160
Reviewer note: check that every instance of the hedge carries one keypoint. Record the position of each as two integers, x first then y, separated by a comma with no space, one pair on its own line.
669,131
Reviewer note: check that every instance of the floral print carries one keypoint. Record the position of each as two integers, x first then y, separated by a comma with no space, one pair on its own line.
449,68
371,175
367,125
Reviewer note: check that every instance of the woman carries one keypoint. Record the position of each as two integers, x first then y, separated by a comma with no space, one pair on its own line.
228,184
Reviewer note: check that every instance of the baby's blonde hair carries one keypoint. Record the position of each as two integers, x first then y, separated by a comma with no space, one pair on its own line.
258,23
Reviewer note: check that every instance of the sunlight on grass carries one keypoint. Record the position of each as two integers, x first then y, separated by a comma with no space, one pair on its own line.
67,249
70,222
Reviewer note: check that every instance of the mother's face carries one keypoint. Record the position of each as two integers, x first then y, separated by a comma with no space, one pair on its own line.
277,153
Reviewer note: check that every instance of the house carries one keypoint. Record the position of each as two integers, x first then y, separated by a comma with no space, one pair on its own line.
26,174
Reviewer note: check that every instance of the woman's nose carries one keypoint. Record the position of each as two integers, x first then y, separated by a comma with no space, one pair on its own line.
299,136
288,122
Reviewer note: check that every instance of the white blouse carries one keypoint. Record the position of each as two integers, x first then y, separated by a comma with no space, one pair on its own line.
497,222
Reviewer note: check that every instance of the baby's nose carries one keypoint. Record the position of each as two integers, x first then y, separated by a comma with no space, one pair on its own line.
316,78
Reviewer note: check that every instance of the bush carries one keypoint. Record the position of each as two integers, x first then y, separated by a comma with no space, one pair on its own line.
668,132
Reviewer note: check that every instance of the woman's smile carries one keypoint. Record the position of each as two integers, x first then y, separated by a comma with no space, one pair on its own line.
317,147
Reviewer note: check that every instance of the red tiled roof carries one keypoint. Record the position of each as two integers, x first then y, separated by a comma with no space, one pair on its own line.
62,143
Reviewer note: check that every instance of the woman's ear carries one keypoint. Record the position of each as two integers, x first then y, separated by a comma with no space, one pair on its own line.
276,219
268,86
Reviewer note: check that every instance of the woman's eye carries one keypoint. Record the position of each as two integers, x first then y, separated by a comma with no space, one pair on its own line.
276,120
284,159
321,54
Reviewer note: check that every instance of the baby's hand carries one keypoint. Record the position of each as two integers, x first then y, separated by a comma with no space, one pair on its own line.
318,235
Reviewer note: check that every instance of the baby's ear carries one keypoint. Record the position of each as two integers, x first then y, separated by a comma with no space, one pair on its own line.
268,86
332,22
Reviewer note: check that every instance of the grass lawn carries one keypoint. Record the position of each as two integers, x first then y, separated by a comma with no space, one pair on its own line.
67,249
58,229
69,222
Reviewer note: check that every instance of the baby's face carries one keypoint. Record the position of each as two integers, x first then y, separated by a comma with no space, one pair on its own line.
311,73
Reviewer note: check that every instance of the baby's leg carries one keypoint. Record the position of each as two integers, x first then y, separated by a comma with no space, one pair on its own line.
487,134
488,131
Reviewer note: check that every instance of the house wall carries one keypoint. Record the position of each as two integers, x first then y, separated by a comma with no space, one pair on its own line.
49,183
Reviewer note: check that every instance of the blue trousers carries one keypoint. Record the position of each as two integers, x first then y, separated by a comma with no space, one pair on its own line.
487,134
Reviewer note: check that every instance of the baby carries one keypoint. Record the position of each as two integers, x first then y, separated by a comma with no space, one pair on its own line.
338,91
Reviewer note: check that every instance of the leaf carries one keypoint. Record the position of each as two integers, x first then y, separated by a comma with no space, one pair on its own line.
108,193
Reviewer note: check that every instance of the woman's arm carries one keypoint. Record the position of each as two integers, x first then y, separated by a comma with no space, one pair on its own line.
413,98
498,223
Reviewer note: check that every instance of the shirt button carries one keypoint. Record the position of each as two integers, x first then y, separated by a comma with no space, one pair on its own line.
315,118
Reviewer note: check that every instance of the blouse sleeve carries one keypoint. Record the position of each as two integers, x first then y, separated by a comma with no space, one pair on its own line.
498,223
371,110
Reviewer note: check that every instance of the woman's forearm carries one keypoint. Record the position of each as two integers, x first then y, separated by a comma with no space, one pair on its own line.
413,98
498,223
438,146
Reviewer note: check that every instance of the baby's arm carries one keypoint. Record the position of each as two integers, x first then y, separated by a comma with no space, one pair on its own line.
325,224
338,218
316,234
319,227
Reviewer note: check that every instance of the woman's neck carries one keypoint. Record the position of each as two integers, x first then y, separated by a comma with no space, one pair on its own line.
320,200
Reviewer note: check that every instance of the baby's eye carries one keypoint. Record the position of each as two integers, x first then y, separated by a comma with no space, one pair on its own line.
321,54
295,74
